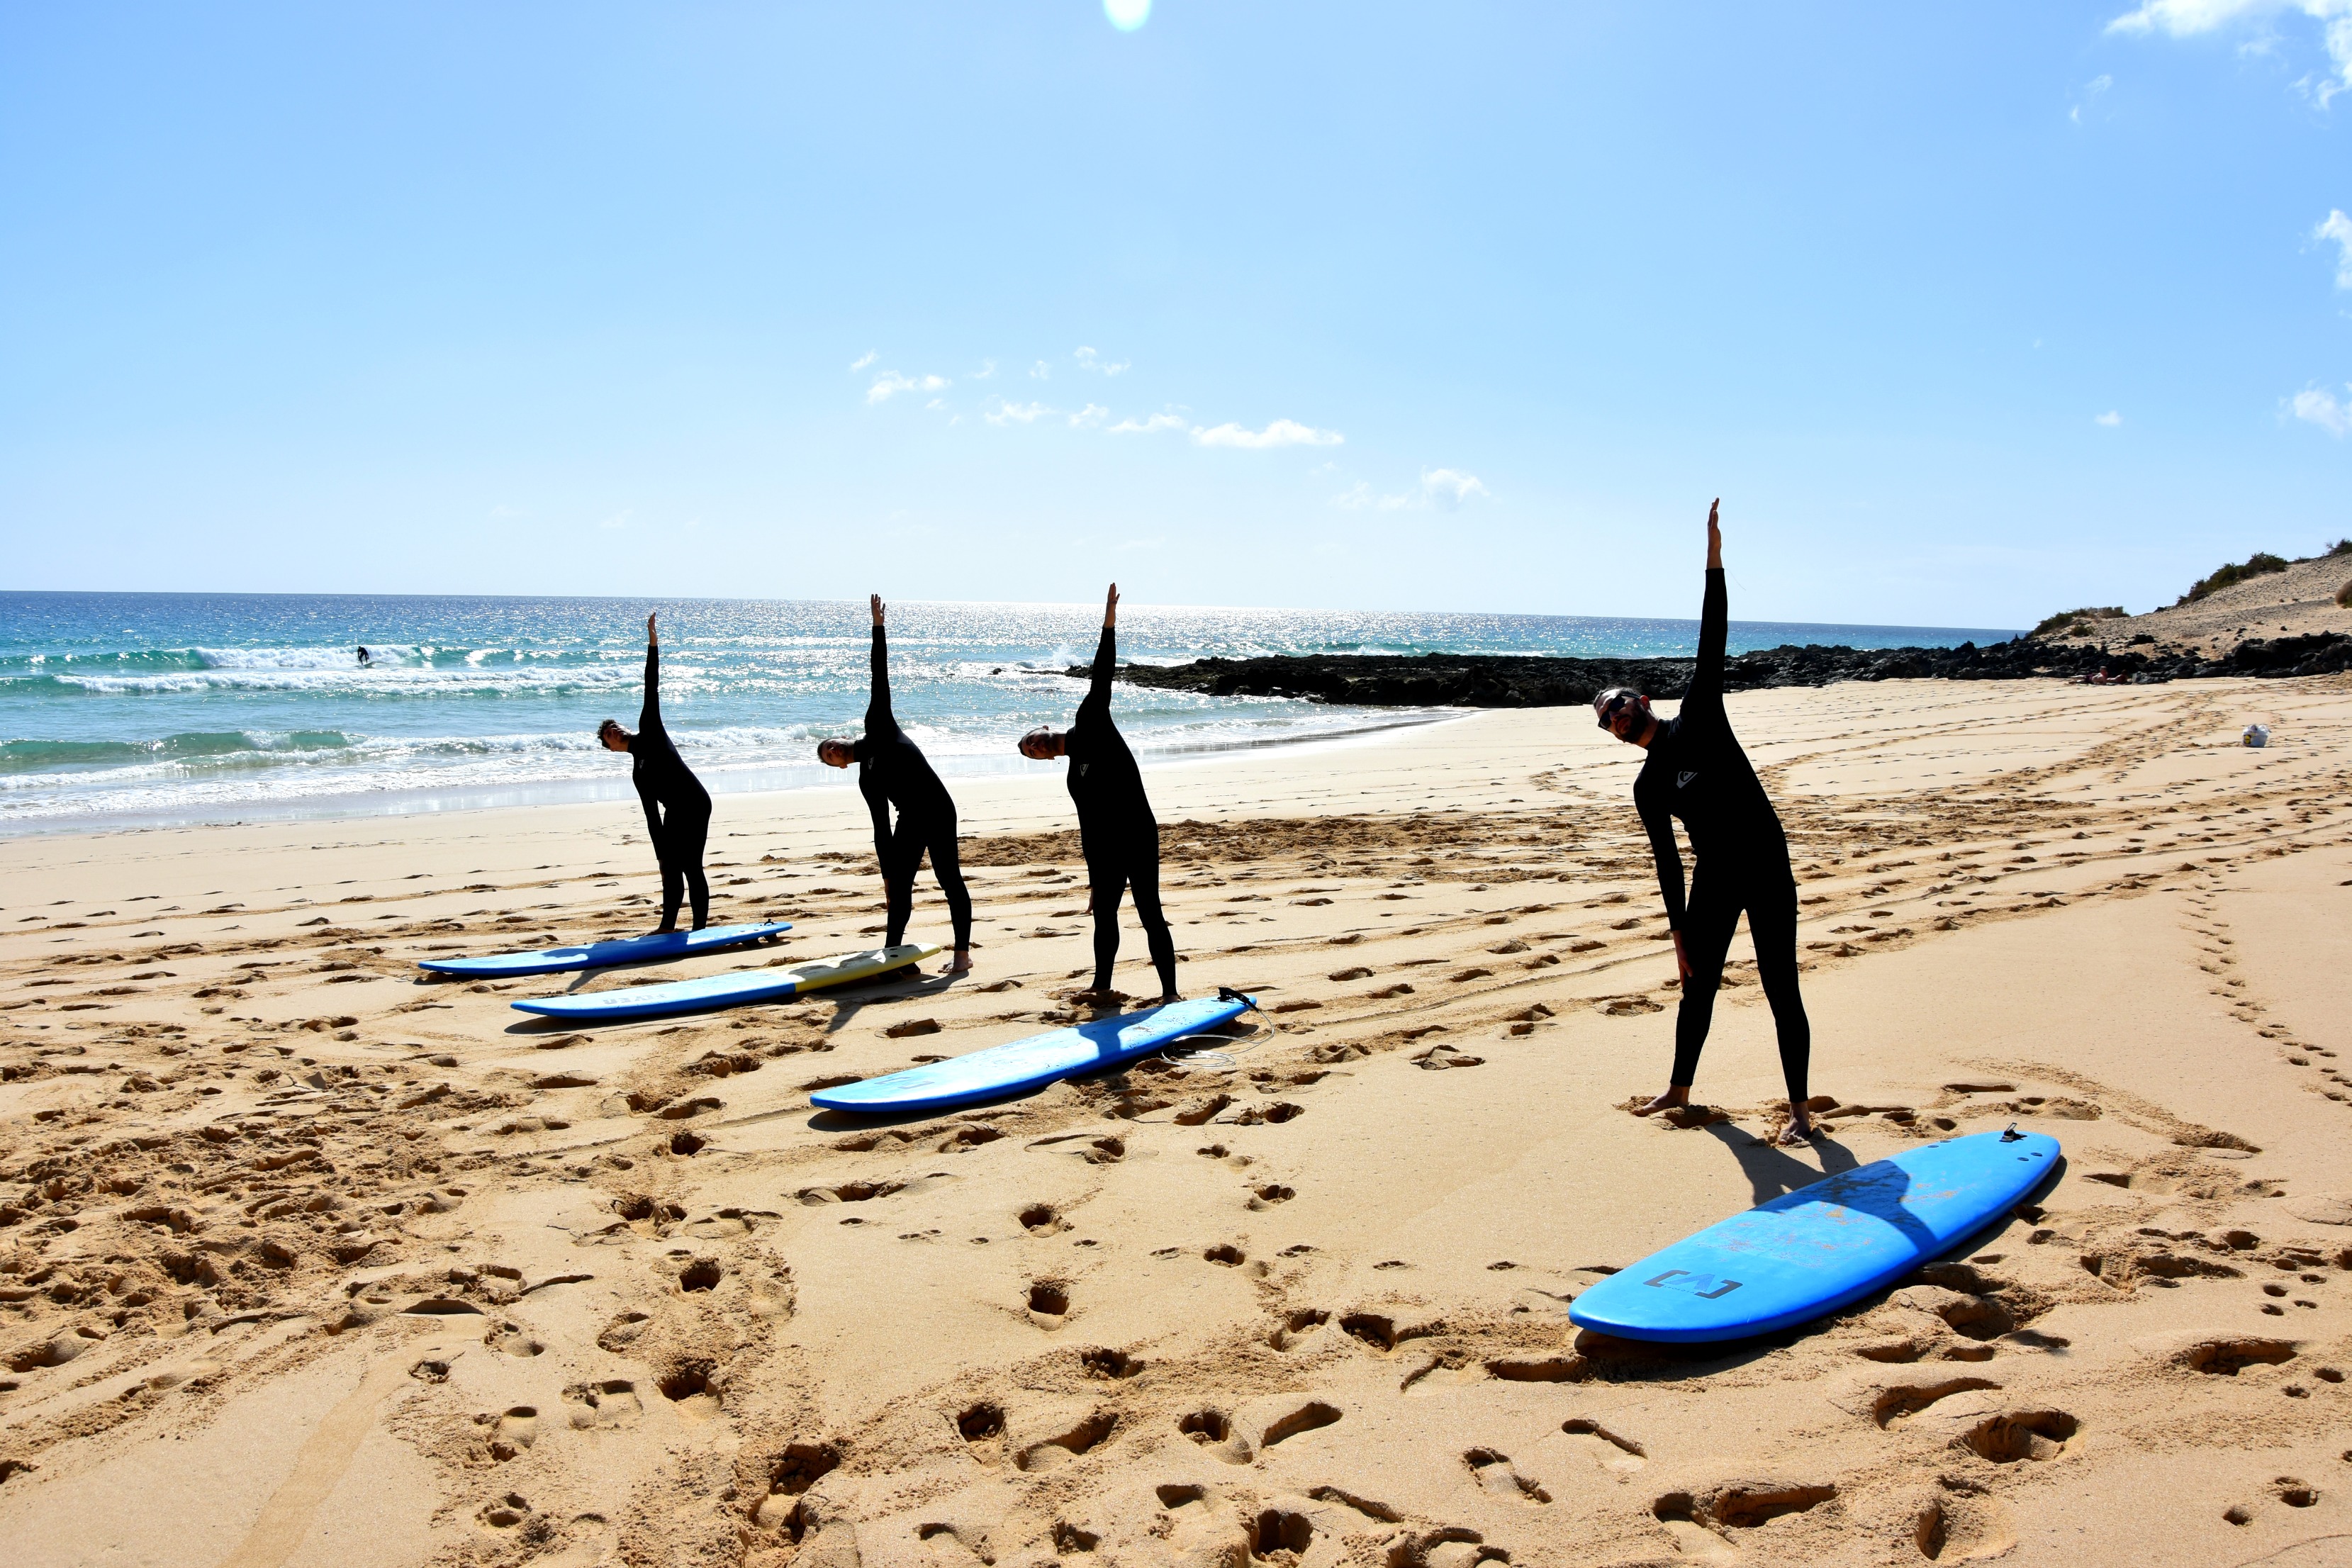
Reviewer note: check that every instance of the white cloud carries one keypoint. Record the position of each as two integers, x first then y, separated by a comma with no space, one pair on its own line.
987,368
890,382
1156,423
861,360
1449,487
1281,433
2339,228
2091,91
2110,419
2185,18
2319,408
1089,360
1443,489
1089,417
1016,413
1041,371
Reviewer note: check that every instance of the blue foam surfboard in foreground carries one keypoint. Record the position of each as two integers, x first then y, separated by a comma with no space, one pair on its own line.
1808,1253
732,989
1029,1064
652,946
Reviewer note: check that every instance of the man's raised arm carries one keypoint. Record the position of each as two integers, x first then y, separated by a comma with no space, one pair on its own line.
879,720
1105,659
1713,618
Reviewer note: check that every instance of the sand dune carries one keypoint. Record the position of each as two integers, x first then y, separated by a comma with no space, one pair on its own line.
304,1259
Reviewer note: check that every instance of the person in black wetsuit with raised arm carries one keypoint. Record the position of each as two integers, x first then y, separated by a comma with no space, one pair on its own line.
893,771
1117,831
1696,771
677,808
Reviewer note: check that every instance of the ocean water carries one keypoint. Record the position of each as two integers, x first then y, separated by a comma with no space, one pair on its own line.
136,709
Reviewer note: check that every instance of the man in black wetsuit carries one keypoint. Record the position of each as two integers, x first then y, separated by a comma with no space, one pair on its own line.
677,808
893,771
1117,831
1696,771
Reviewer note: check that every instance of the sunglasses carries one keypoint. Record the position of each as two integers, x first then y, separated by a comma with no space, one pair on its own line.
1616,705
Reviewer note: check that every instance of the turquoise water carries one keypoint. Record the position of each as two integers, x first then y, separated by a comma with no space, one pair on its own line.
148,708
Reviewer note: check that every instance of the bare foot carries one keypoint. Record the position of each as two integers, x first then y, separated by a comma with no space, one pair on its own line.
959,964
1166,1000
1795,1135
1675,1098
1097,997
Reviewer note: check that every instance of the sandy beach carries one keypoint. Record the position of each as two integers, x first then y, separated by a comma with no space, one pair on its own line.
305,1259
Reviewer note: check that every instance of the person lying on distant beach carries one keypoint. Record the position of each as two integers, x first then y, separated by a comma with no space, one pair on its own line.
1117,832
677,808
1696,771
893,771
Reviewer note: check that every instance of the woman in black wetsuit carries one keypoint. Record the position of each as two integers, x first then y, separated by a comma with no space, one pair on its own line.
893,771
677,808
1696,771
1117,831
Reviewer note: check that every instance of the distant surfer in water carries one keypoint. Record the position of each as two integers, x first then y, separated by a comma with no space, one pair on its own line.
677,808
364,659
1117,831
1696,771
893,771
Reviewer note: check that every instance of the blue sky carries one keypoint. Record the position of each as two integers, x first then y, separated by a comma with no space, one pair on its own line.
1969,312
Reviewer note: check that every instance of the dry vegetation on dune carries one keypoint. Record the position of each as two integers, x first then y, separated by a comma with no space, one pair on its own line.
564,1297
2262,597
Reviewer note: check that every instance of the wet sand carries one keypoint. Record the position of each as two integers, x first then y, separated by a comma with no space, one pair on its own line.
305,1260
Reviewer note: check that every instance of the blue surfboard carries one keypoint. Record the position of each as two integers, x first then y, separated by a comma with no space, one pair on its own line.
1027,1063
653,945
1808,1253
732,989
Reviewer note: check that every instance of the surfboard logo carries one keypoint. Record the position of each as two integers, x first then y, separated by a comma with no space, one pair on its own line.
1684,778
1701,1285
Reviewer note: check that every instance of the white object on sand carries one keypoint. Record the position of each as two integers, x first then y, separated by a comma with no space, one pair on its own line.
2258,735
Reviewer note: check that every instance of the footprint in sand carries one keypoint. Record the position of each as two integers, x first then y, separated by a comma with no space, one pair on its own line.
513,1432
1049,1303
2021,1435
611,1404
1610,1450
1961,1523
1494,1471
1310,1416
1214,1431
1296,1327
513,1340
622,1331
1083,1436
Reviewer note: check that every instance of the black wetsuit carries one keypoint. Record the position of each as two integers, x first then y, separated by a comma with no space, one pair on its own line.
1696,771
892,771
677,808
1115,828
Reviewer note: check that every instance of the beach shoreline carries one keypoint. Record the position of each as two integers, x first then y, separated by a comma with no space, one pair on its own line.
327,1264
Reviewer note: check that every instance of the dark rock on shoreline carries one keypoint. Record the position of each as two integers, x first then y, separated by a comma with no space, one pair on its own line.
1501,680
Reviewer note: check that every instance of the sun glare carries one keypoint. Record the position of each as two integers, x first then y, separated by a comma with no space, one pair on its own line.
1127,16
